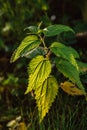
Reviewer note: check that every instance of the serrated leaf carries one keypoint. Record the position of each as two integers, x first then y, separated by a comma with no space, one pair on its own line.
65,52
45,95
39,69
56,30
71,89
28,44
69,71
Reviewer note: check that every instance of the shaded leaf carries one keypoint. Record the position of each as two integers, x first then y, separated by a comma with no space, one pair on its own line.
65,52
69,71
71,89
33,29
45,95
56,30
28,44
39,69
36,51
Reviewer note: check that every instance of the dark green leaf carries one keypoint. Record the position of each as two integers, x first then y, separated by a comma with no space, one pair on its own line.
56,30
36,51
69,71
65,52
33,29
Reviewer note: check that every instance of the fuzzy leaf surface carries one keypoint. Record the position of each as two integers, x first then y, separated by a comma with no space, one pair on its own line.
39,69
71,89
65,52
69,71
28,44
56,30
45,95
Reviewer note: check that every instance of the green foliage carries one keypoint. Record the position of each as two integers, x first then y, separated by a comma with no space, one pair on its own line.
41,65
69,71
39,69
28,44
63,51
56,30
45,95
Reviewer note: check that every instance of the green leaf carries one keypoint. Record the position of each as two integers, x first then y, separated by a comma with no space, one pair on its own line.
28,44
36,51
39,69
45,95
33,29
56,30
65,52
69,71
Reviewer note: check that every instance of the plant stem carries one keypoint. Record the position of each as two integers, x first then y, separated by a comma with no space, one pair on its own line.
42,40
48,54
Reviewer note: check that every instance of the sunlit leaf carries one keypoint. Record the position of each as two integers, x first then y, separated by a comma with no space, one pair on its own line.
71,88
39,69
28,44
45,95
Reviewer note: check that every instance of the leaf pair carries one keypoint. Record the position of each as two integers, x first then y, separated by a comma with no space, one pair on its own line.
66,62
44,85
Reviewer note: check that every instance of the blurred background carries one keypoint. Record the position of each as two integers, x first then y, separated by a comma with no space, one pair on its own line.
15,16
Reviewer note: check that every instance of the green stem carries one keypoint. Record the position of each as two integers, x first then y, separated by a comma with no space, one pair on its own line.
42,40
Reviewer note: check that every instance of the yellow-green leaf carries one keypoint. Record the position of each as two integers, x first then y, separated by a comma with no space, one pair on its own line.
39,69
28,44
45,95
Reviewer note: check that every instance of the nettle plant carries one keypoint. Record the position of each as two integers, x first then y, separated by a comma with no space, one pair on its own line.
44,57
